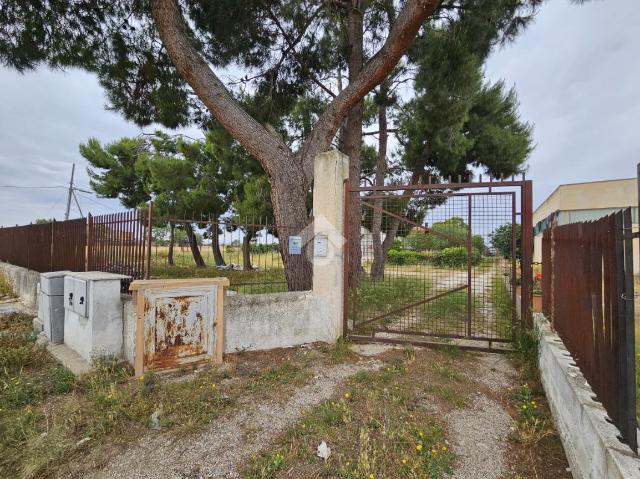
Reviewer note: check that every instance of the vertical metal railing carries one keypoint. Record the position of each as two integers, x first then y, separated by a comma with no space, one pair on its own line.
588,292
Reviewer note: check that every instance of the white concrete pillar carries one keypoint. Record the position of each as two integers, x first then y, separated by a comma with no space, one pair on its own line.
331,169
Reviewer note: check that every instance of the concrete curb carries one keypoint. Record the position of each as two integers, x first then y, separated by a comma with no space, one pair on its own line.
590,442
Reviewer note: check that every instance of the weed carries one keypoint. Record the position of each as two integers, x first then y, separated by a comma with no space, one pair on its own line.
448,394
6,290
370,429
266,467
339,351
445,370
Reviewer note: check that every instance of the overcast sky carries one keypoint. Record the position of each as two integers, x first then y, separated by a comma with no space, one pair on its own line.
576,71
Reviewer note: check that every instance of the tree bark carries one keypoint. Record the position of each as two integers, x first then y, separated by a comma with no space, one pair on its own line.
193,244
172,239
290,174
215,243
351,136
289,199
246,250
380,256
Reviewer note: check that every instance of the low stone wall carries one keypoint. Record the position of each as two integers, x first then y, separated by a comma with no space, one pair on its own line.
590,442
253,322
24,281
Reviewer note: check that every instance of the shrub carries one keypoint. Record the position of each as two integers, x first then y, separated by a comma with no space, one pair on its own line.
452,257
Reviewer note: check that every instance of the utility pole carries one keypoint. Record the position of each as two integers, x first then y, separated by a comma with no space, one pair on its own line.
66,215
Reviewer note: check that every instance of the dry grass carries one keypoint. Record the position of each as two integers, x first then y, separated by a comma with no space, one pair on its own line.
48,417
6,290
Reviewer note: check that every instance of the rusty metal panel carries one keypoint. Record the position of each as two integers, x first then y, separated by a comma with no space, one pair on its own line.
588,270
179,326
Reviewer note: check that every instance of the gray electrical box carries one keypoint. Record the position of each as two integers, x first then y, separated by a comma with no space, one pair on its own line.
93,313
51,305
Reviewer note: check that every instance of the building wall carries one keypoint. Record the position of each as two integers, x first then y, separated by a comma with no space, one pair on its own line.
589,196
586,202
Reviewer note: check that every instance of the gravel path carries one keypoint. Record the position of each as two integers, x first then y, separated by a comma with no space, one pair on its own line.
479,434
217,452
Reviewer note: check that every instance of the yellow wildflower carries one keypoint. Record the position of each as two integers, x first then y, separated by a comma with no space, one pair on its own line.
419,447
404,460
141,378
347,395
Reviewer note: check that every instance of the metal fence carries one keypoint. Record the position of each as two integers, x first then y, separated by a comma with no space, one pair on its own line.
251,253
247,251
588,294
422,262
112,243
118,243
45,247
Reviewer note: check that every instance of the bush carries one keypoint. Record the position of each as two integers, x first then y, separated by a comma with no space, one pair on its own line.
456,257
452,257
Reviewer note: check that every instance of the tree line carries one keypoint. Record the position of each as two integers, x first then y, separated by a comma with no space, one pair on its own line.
279,81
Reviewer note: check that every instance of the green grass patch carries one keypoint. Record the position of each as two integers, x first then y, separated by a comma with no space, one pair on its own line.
246,282
502,303
372,431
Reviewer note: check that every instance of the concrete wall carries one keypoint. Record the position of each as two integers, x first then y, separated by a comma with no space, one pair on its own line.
253,322
265,321
587,196
24,281
589,441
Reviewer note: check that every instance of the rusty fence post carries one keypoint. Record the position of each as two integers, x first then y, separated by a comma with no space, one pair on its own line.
147,273
527,252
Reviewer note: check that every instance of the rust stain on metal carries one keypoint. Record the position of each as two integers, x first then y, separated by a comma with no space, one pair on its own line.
178,335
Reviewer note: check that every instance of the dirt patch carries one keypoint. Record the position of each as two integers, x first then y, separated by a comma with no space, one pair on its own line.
479,438
229,440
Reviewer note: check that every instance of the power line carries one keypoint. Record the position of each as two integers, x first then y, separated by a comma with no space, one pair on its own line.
33,187
97,202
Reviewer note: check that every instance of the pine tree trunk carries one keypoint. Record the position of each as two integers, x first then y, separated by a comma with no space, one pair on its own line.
215,243
379,261
172,239
289,198
246,250
193,244
379,256
351,137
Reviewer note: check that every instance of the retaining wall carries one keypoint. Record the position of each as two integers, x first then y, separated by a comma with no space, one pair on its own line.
24,281
590,441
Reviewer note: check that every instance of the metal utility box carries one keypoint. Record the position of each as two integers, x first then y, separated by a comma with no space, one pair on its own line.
93,313
76,295
178,322
51,305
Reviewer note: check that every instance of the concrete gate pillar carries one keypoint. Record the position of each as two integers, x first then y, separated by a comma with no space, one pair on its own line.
331,169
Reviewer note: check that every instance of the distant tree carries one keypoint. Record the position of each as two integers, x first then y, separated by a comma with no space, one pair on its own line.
250,204
43,221
186,179
502,241
113,173
451,232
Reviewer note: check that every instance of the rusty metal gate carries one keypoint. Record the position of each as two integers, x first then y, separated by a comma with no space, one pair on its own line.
440,260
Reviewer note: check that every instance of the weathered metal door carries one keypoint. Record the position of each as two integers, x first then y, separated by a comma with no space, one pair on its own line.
436,260
178,326
179,322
